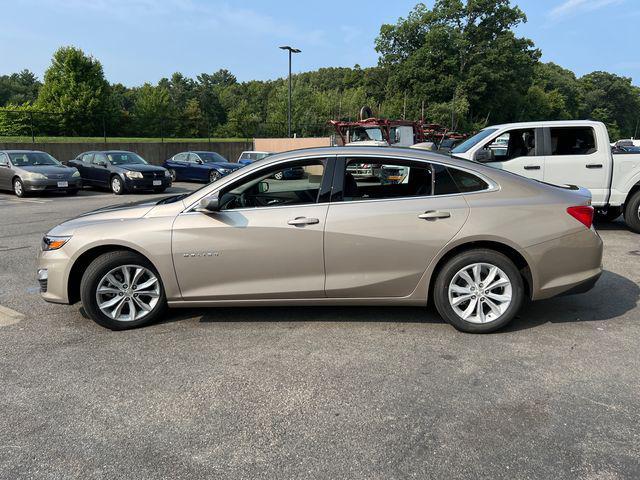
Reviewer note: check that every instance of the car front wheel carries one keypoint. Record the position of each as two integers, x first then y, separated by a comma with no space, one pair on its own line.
122,290
479,291
214,175
18,188
117,186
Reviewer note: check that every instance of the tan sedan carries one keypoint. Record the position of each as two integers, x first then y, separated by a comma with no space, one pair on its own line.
475,240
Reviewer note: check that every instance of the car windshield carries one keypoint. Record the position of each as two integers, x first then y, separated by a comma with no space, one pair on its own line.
211,157
473,141
125,158
26,159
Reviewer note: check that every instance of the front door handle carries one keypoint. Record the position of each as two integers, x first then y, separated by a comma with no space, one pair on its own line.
433,214
532,167
594,165
303,221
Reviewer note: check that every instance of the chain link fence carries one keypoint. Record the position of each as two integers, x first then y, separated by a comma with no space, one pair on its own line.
35,125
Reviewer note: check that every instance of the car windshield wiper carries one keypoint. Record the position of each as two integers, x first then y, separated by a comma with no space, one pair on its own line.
172,199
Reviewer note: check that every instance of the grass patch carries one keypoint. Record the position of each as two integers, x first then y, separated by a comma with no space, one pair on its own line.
26,139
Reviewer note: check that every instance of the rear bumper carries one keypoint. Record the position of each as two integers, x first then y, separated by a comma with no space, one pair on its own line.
566,265
51,185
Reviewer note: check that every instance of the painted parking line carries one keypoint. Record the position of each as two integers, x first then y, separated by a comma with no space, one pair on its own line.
9,317
18,201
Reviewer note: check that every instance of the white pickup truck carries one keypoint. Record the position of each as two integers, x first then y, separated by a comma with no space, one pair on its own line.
574,152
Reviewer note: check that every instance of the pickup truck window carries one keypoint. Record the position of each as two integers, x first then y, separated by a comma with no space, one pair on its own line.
473,141
572,141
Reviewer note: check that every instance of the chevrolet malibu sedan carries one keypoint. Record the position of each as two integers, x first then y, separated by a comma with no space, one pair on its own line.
199,166
474,240
121,172
25,171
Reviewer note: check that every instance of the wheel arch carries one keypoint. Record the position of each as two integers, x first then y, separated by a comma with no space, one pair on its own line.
82,262
509,251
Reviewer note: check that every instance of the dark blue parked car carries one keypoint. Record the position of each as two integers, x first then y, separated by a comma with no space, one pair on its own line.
199,166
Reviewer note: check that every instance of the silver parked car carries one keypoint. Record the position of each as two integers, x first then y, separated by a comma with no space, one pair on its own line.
25,171
474,239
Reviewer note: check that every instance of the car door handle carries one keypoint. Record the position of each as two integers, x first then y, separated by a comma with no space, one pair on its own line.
532,167
303,221
594,165
433,214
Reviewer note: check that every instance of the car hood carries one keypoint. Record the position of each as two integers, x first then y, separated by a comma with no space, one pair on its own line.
50,170
227,165
137,167
111,213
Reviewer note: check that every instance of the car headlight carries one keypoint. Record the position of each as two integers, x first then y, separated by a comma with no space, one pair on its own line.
37,176
53,243
133,175
76,174
166,173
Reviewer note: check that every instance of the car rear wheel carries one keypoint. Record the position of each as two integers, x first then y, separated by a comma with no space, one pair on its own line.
122,290
632,212
117,186
214,175
18,188
479,291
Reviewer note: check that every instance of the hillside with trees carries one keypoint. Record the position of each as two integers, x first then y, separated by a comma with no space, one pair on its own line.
459,63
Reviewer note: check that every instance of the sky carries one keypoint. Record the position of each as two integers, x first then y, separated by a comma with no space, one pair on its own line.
141,41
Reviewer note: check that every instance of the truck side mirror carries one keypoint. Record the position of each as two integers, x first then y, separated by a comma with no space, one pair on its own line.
485,155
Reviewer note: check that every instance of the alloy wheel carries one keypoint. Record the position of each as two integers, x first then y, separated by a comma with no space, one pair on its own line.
116,185
214,175
480,293
128,293
172,172
17,188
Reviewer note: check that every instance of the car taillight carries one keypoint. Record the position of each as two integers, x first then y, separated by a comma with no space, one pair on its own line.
584,214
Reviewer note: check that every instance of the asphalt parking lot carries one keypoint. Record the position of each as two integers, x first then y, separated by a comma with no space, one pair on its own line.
314,392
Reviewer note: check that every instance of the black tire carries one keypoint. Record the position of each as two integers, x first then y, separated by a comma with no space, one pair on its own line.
172,172
72,192
469,257
214,175
117,185
18,188
632,212
608,215
97,270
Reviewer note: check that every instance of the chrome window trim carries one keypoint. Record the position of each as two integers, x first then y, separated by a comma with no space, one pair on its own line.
195,204
493,186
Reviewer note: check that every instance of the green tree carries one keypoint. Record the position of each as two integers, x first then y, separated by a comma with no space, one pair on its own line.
151,111
18,88
74,87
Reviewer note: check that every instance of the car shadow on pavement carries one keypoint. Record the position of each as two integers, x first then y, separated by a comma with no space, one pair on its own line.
613,296
615,225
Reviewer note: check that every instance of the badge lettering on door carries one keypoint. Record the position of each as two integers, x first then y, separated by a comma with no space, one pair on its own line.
201,254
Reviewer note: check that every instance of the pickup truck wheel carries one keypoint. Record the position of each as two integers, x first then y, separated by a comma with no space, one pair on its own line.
632,212
608,215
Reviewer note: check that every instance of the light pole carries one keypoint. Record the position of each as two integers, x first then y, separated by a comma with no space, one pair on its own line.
291,50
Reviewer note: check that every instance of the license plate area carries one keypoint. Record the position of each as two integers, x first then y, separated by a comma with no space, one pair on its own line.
63,184
157,182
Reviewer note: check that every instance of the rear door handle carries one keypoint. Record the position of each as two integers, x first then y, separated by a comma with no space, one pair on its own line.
532,167
433,214
303,221
594,165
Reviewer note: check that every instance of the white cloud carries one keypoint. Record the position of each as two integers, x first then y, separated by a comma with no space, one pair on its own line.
573,7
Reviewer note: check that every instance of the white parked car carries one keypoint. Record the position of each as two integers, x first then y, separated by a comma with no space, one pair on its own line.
574,152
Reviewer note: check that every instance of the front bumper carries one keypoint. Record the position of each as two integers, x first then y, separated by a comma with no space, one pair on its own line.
146,183
52,275
566,265
52,185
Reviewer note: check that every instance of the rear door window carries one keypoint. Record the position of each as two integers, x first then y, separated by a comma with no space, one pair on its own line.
572,141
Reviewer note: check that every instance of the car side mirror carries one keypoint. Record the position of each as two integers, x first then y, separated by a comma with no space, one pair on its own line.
4,165
210,203
263,187
485,156
199,160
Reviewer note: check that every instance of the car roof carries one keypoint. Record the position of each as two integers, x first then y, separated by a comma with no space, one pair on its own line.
255,151
22,151
202,151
